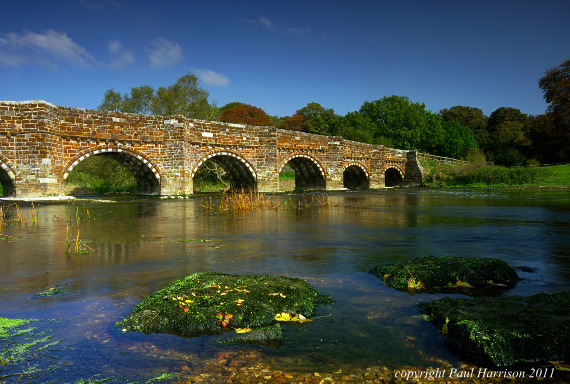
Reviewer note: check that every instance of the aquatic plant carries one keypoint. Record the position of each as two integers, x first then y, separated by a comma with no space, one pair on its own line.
79,245
11,214
248,201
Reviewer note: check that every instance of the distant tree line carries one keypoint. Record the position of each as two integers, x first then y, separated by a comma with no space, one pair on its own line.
506,137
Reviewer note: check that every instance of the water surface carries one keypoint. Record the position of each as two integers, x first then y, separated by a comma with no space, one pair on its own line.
141,245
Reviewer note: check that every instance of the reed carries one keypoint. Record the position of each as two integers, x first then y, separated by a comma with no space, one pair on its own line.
72,239
12,214
249,201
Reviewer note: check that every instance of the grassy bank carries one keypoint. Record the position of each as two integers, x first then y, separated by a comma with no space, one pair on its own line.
100,175
480,175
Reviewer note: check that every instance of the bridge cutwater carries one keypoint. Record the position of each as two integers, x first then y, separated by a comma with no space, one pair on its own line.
41,143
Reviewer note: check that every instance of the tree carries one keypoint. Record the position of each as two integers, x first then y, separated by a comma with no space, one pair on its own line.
112,101
356,127
277,121
550,144
407,125
294,123
507,130
319,120
314,118
458,141
140,100
229,106
184,98
555,85
470,117
507,125
245,114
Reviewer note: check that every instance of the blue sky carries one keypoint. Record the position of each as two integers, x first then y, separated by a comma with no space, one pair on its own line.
282,55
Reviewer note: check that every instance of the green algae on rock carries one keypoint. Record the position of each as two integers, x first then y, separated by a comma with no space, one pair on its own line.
505,331
447,273
209,303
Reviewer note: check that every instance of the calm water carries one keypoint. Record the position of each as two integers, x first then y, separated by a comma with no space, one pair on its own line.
142,245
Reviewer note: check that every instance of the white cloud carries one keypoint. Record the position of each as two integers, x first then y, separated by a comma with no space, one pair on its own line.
164,53
119,58
212,78
266,22
263,22
44,49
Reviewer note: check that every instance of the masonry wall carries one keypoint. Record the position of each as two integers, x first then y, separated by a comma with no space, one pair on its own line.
40,143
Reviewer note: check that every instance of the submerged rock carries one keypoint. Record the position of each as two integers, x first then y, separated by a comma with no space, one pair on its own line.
447,273
212,303
505,331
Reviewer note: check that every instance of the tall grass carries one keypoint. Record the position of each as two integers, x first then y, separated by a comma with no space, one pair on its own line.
249,201
11,214
72,238
490,175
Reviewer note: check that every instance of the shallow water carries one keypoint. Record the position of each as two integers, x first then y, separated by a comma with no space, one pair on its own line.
140,245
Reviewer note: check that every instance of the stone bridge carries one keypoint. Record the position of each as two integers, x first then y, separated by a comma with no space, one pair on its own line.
41,143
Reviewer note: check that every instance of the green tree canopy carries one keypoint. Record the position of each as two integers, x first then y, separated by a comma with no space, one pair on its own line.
458,141
407,125
507,131
507,125
319,120
357,127
313,118
470,117
184,98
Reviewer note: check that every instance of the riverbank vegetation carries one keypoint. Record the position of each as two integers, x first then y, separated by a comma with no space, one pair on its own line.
507,137
100,175
483,175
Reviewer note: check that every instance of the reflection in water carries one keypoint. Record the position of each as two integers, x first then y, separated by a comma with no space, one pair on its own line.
142,245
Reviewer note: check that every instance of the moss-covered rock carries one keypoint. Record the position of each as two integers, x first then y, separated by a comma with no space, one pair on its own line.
269,335
432,274
211,303
505,331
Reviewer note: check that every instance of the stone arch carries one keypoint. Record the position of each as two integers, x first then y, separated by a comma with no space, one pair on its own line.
393,176
240,172
144,171
7,178
309,173
355,176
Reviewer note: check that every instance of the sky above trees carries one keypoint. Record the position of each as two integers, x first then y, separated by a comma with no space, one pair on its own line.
282,55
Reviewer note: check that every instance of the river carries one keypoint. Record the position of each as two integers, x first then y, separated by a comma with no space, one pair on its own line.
135,246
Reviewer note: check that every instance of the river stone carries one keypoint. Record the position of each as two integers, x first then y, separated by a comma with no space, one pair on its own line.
189,307
270,335
505,331
433,274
